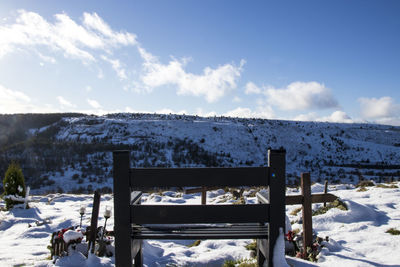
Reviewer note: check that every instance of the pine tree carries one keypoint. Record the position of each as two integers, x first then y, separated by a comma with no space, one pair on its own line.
13,184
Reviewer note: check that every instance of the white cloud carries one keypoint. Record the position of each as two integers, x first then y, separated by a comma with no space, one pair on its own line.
92,39
301,96
389,121
12,101
312,116
211,84
97,24
64,34
159,111
260,112
94,103
337,116
296,96
47,59
170,111
117,66
65,103
252,88
200,112
382,110
373,108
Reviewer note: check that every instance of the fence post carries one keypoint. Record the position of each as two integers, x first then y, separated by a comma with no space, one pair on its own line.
93,223
122,195
307,210
325,190
203,195
277,194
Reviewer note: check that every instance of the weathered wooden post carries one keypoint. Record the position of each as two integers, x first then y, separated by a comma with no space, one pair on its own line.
277,178
277,163
306,210
325,190
93,223
203,195
306,199
122,195
203,190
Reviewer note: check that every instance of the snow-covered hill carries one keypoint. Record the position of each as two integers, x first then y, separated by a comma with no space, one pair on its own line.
74,153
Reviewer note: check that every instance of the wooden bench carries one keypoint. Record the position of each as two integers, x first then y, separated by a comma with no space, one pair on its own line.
134,222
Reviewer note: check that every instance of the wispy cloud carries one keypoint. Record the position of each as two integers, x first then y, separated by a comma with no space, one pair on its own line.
117,66
64,34
65,103
12,101
93,103
92,39
47,59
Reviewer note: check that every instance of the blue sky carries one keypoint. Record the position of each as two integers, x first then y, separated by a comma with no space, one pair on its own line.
335,61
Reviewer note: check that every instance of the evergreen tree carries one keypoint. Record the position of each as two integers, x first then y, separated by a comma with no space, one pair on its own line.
13,184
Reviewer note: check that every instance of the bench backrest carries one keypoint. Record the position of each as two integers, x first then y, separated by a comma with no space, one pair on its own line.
231,177
128,212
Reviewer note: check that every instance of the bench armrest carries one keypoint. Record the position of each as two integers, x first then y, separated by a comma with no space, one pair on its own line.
136,197
262,197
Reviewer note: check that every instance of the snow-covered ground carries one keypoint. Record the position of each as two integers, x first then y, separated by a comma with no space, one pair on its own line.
357,237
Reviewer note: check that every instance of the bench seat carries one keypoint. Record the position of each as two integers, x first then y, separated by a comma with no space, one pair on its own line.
223,231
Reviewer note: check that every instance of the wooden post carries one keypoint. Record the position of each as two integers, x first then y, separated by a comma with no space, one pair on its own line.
307,211
203,195
203,190
277,191
325,190
122,195
93,223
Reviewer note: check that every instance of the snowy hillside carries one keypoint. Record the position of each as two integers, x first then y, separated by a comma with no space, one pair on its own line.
357,237
73,153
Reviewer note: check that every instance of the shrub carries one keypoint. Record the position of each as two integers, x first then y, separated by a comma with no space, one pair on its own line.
387,186
253,248
362,189
240,263
194,244
365,183
337,203
295,211
393,231
13,184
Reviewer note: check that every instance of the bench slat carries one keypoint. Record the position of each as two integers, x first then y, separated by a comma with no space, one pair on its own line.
183,214
210,229
163,177
233,232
